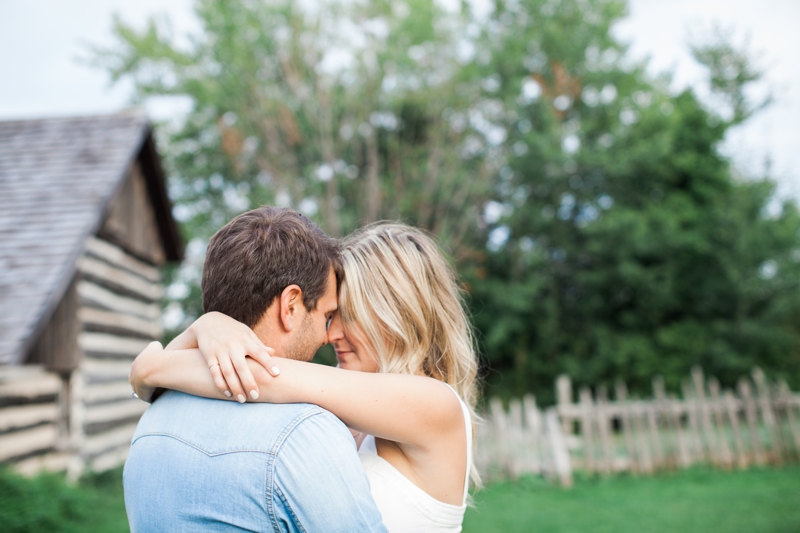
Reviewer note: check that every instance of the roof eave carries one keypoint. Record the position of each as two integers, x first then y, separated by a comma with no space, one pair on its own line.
145,151
157,189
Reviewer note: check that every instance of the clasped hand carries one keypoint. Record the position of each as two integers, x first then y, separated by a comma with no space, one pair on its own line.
224,343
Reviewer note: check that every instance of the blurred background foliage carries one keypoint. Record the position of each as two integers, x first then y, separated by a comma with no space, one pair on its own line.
47,503
596,227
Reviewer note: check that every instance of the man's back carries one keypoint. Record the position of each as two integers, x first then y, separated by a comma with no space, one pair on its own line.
199,464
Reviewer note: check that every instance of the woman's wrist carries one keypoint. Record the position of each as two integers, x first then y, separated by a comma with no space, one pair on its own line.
142,377
187,339
143,391
206,322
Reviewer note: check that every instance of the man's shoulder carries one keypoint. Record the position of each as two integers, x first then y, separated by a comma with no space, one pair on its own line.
220,426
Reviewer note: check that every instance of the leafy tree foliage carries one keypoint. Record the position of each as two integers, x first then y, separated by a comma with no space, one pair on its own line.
597,228
348,112
622,244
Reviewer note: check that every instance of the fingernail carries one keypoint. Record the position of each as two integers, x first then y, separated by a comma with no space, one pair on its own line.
275,370
254,394
241,398
228,393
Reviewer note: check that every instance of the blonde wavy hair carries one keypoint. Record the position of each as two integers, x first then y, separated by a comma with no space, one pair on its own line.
401,294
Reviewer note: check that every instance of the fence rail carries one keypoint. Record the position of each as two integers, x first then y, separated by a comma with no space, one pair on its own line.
758,424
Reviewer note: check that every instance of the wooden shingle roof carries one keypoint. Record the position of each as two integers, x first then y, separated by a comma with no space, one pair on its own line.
57,177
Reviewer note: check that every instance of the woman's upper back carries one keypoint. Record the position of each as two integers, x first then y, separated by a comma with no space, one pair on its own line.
404,505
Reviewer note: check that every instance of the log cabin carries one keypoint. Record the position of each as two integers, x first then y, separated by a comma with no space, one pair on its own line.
85,224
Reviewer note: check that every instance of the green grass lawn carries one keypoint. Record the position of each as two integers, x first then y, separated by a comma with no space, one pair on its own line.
698,500
46,503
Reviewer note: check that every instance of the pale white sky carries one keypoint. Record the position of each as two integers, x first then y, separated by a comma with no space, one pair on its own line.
661,28
41,41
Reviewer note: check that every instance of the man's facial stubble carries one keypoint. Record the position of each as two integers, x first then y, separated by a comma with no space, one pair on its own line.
305,345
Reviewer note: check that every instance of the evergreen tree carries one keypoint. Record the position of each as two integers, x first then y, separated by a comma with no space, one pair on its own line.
621,245
597,228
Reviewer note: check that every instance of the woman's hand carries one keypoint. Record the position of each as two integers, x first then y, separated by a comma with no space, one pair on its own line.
138,378
225,344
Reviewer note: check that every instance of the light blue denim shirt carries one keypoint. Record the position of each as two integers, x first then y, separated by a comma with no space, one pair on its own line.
208,465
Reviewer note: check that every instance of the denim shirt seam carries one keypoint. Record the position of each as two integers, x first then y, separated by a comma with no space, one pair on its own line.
291,426
274,489
270,486
201,450
277,491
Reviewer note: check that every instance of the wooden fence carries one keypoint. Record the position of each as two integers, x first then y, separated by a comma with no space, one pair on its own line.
758,424
526,440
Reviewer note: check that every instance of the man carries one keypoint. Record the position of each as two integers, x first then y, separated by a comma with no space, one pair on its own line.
197,464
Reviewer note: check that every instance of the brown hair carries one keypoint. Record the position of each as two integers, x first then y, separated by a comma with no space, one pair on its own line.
261,252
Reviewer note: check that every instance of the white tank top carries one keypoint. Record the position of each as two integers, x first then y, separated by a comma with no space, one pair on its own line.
404,506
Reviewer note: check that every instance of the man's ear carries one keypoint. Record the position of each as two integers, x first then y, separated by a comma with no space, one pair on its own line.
291,300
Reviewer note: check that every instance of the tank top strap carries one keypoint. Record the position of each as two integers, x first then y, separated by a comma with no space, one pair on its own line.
468,428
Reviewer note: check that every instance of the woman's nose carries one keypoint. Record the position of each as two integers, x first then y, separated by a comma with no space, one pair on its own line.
335,331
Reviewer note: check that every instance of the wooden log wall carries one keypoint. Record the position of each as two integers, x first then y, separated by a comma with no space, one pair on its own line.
119,314
73,410
757,424
57,346
131,219
31,434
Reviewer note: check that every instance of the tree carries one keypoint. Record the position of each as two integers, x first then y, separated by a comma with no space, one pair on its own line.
621,244
348,112
597,228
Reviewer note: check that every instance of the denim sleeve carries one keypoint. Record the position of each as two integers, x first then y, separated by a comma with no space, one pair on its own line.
319,483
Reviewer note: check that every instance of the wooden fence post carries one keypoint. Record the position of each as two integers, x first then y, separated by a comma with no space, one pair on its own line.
587,432
705,417
480,448
502,446
605,431
751,416
518,458
534,421
659,459
691,411
564,398
684,455
558,445
652,422
767,415
621,394
722,438
786,397
733,416
640,437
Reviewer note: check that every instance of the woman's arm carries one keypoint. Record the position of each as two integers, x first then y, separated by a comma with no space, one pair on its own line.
225,343
402,408
156,368
406,409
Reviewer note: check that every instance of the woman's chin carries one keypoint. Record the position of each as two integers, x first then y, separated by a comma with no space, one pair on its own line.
346,364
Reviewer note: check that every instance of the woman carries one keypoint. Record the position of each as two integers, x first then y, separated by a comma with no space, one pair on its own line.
401,323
